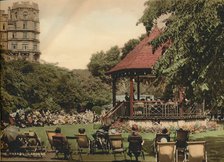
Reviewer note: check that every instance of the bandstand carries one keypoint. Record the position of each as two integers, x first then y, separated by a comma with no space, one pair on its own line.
137,66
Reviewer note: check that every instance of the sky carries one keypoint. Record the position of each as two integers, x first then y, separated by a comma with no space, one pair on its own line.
72,30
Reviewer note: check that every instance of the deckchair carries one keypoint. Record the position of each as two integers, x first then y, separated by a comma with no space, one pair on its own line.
83,144
116,144
3,145
49,136
166,152
160,137
135,147
61,145
182,136
196,151
33,144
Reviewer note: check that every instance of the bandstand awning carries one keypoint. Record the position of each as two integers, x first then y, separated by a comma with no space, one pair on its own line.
140,60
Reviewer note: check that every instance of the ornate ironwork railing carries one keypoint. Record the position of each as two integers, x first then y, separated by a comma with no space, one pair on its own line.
154,110
113,113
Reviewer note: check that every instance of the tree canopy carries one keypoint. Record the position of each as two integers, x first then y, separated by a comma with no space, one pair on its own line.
101,62
45,86
195,59
129,46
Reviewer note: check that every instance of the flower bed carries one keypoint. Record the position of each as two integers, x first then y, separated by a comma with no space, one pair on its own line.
195,126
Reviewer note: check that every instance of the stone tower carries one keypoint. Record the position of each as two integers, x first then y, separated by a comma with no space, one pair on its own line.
23,29
3,29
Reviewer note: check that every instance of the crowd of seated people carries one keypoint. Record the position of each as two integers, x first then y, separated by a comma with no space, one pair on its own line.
179,143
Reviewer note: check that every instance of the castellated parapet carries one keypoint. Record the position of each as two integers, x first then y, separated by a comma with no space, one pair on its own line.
25,5
21,28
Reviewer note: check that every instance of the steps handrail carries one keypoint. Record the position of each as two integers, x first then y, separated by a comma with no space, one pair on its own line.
113,110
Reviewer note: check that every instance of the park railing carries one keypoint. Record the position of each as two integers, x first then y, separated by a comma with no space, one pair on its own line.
113,113
155,110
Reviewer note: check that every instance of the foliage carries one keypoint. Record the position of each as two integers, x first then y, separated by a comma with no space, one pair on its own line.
154,9
97,109
195,59
129,46
101,62
41,86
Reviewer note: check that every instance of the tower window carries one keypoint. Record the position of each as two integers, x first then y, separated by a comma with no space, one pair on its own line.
25,46
14,46
25,14
34,14
13,35
24,35
3,27
24,25
34,47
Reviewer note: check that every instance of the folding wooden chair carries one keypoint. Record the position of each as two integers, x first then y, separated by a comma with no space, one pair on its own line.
135,147
33,144
196,152
116,144
83,144
182,136
61,145
160,138
166,152
50,134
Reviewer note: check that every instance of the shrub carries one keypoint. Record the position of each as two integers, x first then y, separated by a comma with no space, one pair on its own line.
97,109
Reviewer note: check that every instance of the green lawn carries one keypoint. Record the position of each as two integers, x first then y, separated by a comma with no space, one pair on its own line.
67,130
71,130
214,139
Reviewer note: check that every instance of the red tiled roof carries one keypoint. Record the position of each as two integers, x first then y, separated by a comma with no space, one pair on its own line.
141,57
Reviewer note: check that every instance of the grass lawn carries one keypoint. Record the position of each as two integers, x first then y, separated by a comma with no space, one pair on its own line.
214,140
67,130
71,130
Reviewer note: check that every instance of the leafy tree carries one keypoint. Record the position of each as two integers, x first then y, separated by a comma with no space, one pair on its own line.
129,46
195,59
101,62
45,86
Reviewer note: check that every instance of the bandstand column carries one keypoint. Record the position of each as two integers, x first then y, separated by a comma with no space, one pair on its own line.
131,96
138,88
114,91
181,100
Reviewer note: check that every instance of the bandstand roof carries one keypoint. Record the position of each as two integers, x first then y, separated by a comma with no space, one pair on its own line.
140,60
